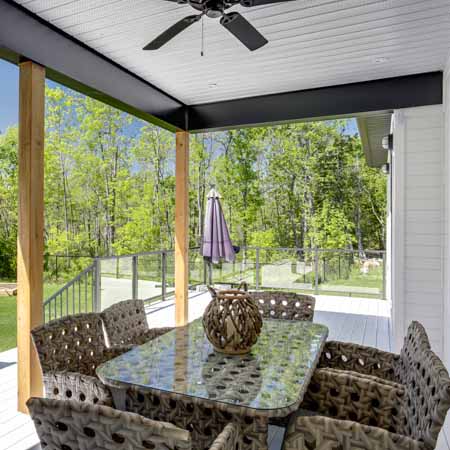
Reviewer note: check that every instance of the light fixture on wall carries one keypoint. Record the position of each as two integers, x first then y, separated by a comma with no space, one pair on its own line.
385,168
388,142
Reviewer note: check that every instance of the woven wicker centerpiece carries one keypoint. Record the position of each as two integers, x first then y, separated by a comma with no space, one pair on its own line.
232,321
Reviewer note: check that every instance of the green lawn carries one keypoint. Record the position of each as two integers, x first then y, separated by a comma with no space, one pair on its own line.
8,317
373,279
7,323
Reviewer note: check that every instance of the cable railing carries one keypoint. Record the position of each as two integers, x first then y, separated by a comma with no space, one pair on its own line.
150,276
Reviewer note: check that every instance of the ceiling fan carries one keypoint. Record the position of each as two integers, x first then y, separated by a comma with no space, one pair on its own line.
232,21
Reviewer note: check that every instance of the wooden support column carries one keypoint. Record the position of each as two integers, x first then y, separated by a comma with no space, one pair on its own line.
181,228
30,245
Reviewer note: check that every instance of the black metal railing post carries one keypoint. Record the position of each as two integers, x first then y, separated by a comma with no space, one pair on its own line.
134,278
163,275
96,301
210,282
316,271
205,272
257,268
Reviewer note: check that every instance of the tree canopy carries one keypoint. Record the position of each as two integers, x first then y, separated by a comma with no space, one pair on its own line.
110,184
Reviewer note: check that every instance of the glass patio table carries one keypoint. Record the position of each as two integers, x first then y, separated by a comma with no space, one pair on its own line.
179,378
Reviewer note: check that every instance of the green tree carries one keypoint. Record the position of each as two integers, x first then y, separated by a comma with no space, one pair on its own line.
8,203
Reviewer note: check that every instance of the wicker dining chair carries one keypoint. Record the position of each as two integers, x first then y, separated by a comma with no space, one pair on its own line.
353,411
71,425
284,305
371,361
70,349
126,324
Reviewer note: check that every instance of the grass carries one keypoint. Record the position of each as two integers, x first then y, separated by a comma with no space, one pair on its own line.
8,320
373,279
8,316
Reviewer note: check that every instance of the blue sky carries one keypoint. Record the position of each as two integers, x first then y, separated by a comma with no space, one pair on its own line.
9,90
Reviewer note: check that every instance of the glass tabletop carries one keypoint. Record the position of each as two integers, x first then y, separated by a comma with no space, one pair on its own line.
273,376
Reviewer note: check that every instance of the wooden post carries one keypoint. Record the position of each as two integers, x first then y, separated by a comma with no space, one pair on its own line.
30,243
181,228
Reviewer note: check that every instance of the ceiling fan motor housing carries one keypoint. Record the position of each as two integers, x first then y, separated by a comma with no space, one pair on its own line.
234,22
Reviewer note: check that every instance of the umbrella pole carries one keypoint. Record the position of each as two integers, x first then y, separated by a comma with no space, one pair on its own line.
181,228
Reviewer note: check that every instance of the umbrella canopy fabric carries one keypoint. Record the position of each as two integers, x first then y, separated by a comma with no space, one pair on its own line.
216,244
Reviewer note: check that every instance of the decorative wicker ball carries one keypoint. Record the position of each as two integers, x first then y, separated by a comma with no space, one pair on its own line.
232,321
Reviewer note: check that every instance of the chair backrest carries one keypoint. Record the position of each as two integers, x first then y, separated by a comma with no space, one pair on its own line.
416,341
124,322
72,425
427,398
71,344
285,305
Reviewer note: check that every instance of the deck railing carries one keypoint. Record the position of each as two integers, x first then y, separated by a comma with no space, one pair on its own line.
150,276
77,296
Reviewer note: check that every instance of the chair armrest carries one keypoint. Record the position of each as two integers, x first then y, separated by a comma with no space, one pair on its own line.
318,432
114,352
359,398
150,334
153,333
227,439
365,376
358,358
75,386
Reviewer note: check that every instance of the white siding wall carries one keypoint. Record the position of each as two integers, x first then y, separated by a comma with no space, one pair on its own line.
419,222
447,212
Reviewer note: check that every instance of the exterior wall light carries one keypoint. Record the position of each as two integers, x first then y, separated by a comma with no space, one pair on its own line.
388,142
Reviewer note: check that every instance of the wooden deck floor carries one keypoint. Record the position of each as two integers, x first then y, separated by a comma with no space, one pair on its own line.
363,321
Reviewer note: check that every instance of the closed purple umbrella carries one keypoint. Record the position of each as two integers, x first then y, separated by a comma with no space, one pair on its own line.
216,244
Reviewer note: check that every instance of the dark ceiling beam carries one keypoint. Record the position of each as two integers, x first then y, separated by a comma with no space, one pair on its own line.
335,101
25,36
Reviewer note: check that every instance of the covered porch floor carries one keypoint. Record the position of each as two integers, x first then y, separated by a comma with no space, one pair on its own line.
358,320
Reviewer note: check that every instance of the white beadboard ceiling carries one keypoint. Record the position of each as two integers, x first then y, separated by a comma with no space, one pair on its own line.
312,43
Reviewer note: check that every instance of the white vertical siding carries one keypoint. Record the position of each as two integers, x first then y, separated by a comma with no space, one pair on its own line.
419,222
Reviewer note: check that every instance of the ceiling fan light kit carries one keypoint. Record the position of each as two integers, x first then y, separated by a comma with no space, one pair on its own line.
234,22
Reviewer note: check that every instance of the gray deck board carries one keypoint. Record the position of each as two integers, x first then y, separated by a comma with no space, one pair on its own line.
362,321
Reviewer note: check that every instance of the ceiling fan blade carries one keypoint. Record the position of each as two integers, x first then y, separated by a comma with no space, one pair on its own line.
250,3
243,30
171,32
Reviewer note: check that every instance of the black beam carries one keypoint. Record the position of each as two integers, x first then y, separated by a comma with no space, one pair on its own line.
343,100
24,35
